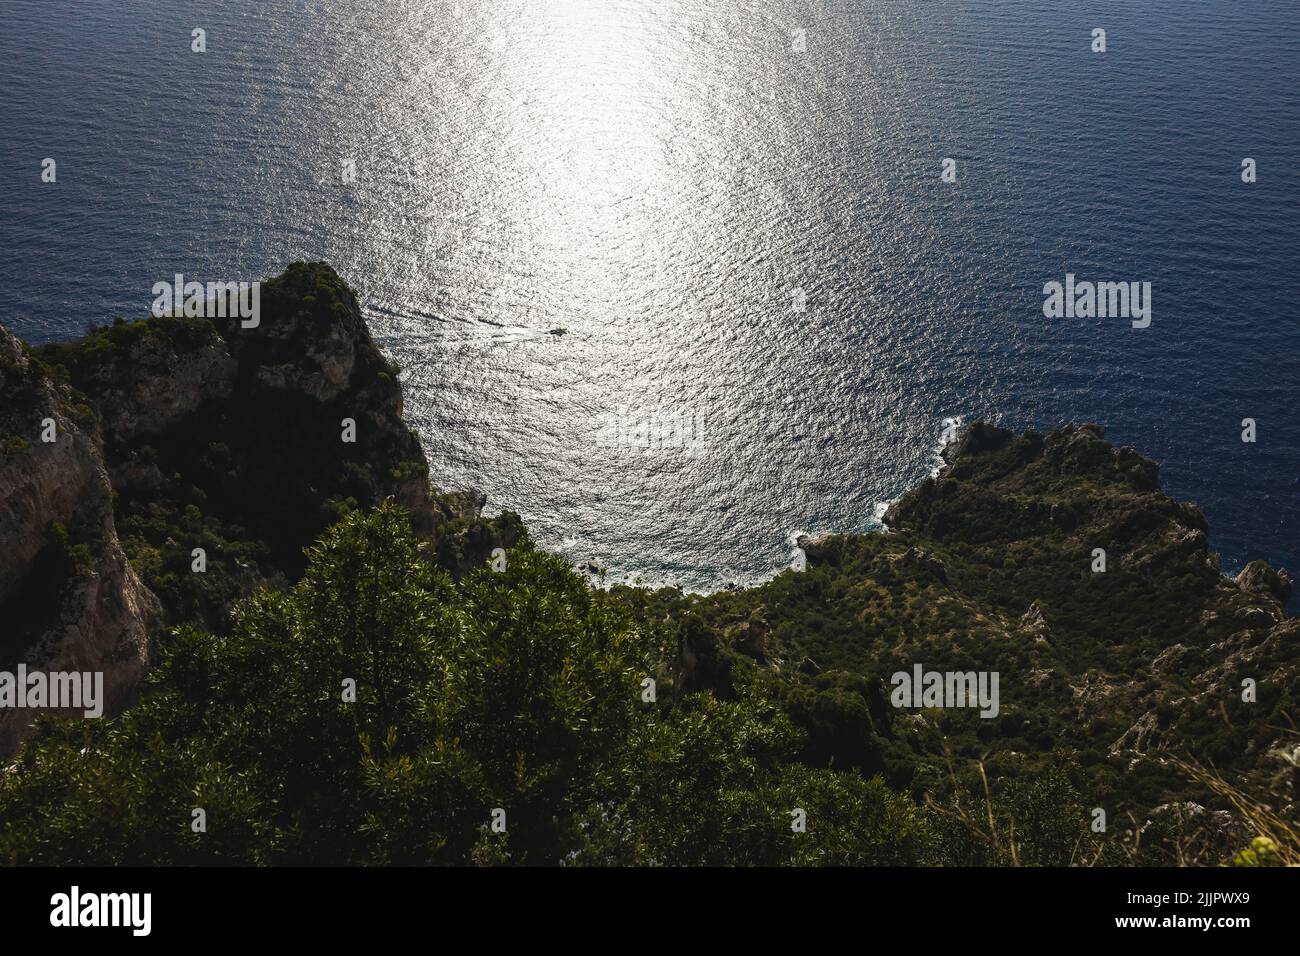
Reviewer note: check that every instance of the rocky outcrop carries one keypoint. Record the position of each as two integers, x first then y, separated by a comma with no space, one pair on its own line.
1069,522
1034,624
176,435
818,549
246,442
1068,496
464,539
753,638
1051,559
238,442
146,377
311,338
924,561
1054,560
69,599
1258,578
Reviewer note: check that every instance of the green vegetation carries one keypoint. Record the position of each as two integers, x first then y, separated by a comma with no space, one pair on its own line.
1104,676
1121,690
12,445
520,690
106,345
254,472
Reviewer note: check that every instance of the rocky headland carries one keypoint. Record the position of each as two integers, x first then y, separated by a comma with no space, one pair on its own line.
1052,559
176,434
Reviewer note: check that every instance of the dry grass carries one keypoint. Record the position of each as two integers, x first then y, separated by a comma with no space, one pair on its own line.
1276,841
1283,836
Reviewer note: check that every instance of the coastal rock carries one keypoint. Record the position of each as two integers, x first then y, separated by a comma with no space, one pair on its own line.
462,505
1258,578
465,540
1256,617
235,437
1145,655
310,339
818,549
978,438
146,377
69,598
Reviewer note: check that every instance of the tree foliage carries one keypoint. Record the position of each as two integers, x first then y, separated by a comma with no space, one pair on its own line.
520,690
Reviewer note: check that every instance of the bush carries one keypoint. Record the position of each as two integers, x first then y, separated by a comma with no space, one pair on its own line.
519,690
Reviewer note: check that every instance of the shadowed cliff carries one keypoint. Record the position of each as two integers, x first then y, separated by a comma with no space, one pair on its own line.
177,434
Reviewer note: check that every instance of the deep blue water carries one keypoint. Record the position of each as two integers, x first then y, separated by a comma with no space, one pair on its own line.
657,178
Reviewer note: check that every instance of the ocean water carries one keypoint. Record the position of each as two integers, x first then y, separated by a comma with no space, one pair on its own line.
679,279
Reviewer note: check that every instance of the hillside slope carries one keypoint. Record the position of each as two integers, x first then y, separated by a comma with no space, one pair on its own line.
996,566
617,725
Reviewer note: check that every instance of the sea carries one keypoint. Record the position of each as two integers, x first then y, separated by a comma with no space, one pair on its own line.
679,280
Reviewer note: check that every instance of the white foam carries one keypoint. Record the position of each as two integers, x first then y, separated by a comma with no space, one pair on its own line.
947,435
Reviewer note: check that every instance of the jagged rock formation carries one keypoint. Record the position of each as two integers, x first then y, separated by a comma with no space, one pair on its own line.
152,378
1258,578
1161,597
147,378
69,600
183,433
231,440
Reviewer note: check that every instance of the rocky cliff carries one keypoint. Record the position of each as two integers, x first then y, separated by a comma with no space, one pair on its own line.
1121,591
1056,561
208,454
1051,559
69,599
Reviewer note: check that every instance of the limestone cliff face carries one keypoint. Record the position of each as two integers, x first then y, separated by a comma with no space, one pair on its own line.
69,599
186,433
148,379
179,435
313,341
147,383
311,337
246,441
1052,559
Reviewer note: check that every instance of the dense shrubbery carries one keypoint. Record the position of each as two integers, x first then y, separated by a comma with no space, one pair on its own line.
525,690
521,690
106,344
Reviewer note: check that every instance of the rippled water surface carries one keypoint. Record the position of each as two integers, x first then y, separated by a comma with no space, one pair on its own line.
582,227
